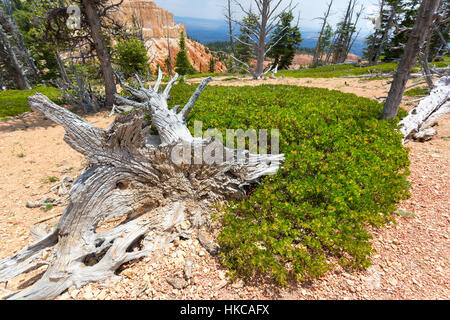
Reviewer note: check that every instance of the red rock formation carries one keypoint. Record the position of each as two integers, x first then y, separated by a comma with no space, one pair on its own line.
161,32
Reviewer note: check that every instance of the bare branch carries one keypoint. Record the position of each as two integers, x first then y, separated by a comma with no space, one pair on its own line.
188,107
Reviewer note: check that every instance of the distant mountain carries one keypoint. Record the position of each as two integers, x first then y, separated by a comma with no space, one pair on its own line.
205,30
208,30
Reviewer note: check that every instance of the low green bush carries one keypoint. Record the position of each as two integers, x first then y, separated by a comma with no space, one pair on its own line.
419,91
345,170
204,75
15,102
337,71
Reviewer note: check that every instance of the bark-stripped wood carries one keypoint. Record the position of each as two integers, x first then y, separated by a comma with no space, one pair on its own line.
130,175
417,125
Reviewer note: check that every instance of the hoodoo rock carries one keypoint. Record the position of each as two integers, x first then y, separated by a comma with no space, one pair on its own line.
160,32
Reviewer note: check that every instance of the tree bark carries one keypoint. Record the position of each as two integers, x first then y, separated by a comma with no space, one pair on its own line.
93,20
261,50
12,63
8,22
137,177
418,34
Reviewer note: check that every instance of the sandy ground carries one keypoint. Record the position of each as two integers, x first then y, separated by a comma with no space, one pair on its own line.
369,89
411,262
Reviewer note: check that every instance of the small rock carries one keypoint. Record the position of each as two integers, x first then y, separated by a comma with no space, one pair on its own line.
185,225
237,285
177,283
73,292
31,204
188,265
129,273
208,244
393,281
102,295
221,284
88,293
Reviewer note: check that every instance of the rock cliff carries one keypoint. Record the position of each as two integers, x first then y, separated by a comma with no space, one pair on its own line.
160,33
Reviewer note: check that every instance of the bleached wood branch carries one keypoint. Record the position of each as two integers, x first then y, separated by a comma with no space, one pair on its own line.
418,123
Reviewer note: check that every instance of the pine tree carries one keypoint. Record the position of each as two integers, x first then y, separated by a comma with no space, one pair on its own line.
407,10
131,56
325,43
243,51
182,64
389,11
441,32
285,39
212,65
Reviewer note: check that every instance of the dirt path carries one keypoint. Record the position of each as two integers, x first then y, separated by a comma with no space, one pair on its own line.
369,89
412,259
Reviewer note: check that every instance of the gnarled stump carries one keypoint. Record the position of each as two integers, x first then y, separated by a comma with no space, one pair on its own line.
131,175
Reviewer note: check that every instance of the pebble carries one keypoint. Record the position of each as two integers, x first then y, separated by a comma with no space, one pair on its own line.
102,295
393,281
237,285
221,284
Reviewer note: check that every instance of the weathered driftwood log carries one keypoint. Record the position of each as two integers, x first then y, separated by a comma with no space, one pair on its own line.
418,124
131,174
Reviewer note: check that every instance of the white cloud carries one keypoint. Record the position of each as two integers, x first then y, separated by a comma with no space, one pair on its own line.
309,9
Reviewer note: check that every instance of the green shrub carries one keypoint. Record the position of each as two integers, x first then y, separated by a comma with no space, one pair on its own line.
132,57
420,91
207,74
15,102
340,70
441,64
345,170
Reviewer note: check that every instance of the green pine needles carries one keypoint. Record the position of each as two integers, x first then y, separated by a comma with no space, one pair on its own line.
182,64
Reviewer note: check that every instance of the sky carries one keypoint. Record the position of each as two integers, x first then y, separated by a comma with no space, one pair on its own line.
308,9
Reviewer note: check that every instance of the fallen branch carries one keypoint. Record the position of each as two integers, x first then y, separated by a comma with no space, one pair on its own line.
417,125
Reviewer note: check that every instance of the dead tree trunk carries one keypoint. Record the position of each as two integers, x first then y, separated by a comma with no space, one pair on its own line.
12,63
10,26
139,177
420,120
229,17
317,52
265,23
94,21
384,37
424,58
342,33
425,18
